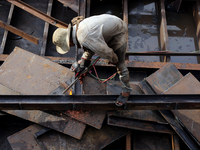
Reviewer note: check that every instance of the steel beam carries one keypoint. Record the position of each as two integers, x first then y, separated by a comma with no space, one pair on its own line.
99,102
19,32
38,13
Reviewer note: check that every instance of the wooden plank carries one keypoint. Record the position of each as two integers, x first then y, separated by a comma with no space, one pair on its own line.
125,19
38,13
128,141
6,32
46,29
19,32
164,40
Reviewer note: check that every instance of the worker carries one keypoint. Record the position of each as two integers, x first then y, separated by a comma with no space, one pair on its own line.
104,35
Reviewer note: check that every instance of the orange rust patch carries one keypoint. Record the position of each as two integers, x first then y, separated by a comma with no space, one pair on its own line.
46,66
29,77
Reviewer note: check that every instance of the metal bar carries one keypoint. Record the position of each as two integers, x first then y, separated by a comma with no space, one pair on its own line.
99,102
46,29
128,141
125,19
82,8
88,8
164,40
162,53
19,32
196,15
38,13
175,142
6,32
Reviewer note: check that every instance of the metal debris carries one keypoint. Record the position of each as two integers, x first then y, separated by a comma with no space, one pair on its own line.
67,126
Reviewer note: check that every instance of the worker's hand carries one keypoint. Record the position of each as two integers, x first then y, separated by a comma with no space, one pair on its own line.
76,66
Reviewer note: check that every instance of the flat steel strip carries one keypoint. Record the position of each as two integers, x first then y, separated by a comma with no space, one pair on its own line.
139,125
143,115
67,126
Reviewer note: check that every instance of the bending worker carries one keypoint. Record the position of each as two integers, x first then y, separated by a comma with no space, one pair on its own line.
104,35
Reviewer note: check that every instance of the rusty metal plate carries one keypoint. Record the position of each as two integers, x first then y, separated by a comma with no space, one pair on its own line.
145,115
25,139
164,78
114,87
189,118
7,91
31,74
139,125
92,118
92,139
151,141
93,87
67,126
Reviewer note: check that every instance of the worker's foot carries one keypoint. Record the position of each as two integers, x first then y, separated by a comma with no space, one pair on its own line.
121,100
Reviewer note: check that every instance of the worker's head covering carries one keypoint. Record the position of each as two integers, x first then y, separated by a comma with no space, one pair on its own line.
61,38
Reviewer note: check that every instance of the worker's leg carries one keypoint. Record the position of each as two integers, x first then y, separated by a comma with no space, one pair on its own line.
123,71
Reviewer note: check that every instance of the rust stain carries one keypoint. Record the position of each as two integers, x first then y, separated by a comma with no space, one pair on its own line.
46,66
29,77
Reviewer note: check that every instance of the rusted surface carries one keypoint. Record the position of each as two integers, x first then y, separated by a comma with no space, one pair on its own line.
92,118
19,32
25,140
164,78
139,125
145,115
73,4
92,139
189,118
30,74
151,141
38,13
67,126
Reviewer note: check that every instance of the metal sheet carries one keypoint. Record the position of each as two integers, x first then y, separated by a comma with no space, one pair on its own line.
139,125
93,87
31,74
25,140
7,91
67,126
189,118
114,87
151,141
145,115
92,139
164,78
92,118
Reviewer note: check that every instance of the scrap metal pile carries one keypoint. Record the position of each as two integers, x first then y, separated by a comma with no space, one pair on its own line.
28,72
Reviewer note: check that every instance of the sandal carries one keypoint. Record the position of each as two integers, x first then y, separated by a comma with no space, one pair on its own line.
121,100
